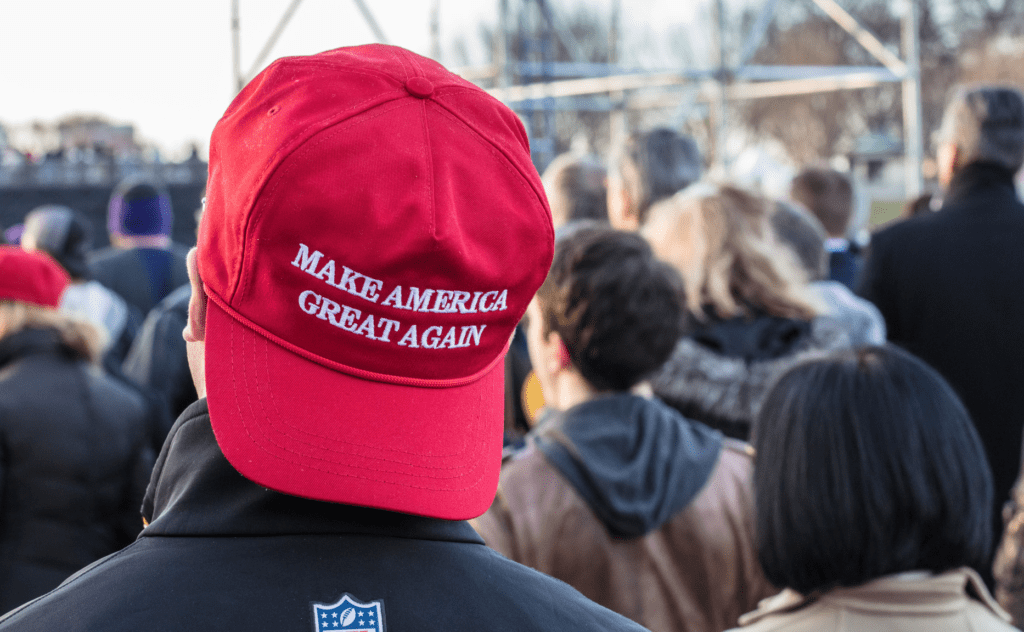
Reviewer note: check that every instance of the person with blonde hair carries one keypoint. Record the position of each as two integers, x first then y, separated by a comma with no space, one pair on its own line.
77,453
754,313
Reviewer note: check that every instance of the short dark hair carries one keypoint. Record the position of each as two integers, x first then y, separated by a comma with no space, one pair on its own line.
576,189
987,124
867,465
657,164
826,193
618,309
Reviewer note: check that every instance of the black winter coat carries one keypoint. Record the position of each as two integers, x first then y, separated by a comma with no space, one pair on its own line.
222,553
951,288
142,276
158,361
74,459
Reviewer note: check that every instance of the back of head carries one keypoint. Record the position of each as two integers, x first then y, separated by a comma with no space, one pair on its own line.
828,195
575,186
139,207
656,164
618,309
799,230
723,245
374,230
62,233
867,465
986,124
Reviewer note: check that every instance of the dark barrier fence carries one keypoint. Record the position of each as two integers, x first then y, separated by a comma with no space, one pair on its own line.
91,201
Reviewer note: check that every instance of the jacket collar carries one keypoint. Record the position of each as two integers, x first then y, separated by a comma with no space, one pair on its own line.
980,178
893,594
32,341
194,491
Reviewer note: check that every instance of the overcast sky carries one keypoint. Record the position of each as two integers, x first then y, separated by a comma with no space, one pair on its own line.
166,67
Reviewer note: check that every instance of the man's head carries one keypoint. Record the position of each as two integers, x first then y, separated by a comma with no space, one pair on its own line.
617,310
63,234
575,186
373,233
651,166
981,124
828,194
139,214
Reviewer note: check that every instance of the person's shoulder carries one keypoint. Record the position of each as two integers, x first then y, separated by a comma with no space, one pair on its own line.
106,257
789,610
532,600
79,593
176,302
895,234
730,485
528,479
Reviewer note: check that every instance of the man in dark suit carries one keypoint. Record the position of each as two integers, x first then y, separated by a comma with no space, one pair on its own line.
951,284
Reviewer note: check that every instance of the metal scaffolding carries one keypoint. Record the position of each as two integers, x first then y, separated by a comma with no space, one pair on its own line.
716,87
528,84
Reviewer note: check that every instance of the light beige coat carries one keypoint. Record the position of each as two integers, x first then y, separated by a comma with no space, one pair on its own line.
954,601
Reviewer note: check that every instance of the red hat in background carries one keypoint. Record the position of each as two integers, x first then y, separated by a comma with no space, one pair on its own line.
31,277
374,231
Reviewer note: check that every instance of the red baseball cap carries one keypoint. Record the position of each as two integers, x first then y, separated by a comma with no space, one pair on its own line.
31,277
374,231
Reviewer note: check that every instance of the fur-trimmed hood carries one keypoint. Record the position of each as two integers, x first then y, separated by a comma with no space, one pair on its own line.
720,374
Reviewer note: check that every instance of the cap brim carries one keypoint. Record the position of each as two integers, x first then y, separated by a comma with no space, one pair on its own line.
294,426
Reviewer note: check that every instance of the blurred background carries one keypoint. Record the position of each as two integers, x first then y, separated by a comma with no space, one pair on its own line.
92,92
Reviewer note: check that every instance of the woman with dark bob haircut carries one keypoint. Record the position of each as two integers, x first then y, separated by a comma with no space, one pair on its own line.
871,493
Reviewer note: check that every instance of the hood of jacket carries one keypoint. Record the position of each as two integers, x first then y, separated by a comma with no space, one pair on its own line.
33,341
750,339
634,460
194,490
978,182
720,375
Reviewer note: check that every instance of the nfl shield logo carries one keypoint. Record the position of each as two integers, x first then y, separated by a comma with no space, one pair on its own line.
349,615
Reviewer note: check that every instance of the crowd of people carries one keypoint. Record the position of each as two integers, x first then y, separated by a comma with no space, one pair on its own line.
403,380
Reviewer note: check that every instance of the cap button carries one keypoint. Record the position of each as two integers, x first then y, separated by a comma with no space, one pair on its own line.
419,87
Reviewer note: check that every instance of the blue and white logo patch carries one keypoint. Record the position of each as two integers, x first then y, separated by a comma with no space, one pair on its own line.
349,615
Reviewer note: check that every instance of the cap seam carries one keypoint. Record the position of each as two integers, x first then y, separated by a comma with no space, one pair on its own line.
402,59
523,178
429,158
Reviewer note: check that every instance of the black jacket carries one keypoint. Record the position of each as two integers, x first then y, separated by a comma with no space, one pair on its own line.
74,460
222,553
142,276
720,374
951,288
157,359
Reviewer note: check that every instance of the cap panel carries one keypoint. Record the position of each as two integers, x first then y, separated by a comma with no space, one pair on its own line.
276,112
